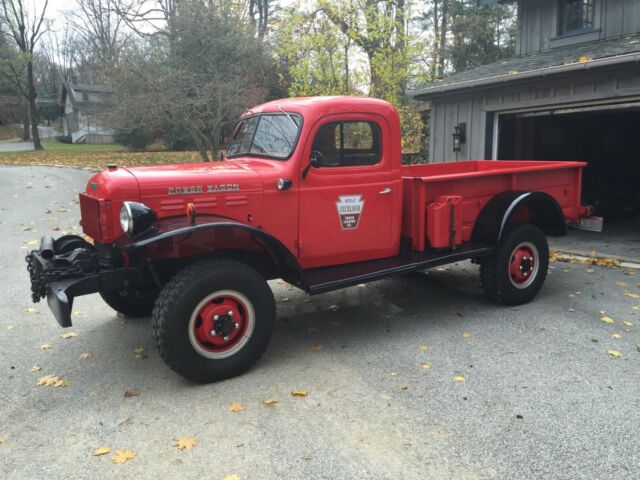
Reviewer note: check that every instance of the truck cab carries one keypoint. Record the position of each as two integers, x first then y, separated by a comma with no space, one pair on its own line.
312,191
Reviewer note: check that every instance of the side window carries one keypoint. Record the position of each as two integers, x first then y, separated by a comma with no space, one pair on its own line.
348,144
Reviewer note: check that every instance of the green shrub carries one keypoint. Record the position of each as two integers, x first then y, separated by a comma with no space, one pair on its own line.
64,138
133,138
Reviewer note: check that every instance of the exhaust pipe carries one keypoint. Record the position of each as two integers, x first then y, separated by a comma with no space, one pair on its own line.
46,248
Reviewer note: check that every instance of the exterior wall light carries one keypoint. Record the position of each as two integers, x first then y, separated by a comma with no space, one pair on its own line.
459,136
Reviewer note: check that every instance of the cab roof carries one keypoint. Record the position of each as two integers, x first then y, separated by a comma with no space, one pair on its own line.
324,105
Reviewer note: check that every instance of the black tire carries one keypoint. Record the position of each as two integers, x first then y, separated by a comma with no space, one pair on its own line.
132,307
496,271
177,313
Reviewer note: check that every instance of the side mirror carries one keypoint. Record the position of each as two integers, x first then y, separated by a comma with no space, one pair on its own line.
315,161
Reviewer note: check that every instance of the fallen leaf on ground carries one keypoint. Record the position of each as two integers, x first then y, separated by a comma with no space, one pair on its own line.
77,314
52,381
425,366
46,346
101,451
31,310
36,368
140,353
622,284
62,210
393,374
616,336
285,299
236,407
614,353
10,327
185,443
299,393
232,477
589,270
631,295
85,356
423,347
459,378
467,334
131,393
1,440
270,401
627,324
316,346
606,319
122,456
68,335
584,59
334,308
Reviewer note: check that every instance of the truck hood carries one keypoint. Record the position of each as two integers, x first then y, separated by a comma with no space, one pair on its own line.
196,179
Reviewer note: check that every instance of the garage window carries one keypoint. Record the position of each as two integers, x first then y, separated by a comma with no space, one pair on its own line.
348,144
574,16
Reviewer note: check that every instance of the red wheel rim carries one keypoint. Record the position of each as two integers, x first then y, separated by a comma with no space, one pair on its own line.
221,324
523,265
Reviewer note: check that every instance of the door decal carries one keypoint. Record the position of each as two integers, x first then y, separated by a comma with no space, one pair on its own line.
350,209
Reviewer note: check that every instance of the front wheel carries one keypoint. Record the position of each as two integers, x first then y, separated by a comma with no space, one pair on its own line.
213,320
516,272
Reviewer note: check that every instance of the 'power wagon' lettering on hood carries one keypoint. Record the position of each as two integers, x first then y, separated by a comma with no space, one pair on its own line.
227,187
350,209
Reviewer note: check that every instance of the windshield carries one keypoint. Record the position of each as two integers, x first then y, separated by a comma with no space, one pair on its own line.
266,135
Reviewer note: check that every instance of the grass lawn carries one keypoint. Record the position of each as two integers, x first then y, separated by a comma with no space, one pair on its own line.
94,156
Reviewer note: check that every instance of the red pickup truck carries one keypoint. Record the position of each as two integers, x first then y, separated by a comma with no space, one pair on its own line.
312,191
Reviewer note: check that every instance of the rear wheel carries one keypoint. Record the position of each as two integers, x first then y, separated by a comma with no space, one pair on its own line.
515,274
213,320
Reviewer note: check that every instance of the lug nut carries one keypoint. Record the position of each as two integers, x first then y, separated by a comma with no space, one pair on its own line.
521,268
525,274
213,333
237,326
216,317
225,338
230,313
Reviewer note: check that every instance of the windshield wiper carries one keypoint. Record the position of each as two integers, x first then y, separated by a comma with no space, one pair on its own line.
288,116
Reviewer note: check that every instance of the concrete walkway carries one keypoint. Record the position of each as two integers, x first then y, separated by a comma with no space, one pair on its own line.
16,147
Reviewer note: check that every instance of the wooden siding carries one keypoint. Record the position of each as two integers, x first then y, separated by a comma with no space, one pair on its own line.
612,86
538,23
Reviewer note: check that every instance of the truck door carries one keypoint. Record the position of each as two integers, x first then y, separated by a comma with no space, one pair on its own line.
346,202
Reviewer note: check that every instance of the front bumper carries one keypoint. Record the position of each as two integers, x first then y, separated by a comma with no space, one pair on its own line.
61,276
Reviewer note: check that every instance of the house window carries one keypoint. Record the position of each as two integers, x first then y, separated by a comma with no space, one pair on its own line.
574,16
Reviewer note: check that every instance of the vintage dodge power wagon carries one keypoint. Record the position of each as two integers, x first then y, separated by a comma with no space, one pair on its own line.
312,191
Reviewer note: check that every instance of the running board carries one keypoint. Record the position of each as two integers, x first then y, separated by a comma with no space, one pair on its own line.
325,279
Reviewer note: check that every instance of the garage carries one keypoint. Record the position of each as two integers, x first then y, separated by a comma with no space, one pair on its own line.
604,136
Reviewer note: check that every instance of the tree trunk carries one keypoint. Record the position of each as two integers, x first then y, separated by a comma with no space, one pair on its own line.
442,47
25,125
33,108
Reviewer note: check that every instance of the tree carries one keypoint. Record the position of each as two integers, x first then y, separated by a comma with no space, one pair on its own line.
24,28
101,31
462,35
352,46
197,74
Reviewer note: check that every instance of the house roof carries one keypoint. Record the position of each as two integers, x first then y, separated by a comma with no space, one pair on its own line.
87,107
565,59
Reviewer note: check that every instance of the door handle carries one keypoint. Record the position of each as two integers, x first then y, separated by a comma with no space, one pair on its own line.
385,191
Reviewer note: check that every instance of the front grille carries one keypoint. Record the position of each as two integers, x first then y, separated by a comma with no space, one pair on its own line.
90,211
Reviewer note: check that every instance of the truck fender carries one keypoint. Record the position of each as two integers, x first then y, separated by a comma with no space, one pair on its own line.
543,211
285,261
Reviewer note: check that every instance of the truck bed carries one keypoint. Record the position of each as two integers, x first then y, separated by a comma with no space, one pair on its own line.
476,182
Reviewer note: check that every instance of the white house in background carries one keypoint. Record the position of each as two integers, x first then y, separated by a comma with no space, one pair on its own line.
85,109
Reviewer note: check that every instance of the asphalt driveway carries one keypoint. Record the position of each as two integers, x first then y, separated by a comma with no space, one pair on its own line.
415,377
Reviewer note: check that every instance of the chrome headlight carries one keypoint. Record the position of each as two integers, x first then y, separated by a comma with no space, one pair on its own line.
136,217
